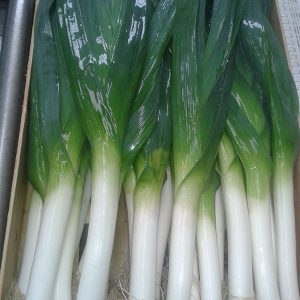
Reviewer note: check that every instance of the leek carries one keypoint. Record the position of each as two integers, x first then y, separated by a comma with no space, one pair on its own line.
104,64
144,112
129,185
240,282
269,62
63,288
201,84
37,173
163,230
247,129
58,198
147,196
85,206
207,245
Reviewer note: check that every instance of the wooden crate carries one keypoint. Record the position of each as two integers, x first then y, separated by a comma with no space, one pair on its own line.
21,192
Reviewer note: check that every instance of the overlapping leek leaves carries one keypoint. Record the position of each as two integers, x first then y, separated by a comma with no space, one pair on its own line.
105,64
144,113
201,85
269,62
37,167
267,58
61,175
71,130
246,126
145,109
147,196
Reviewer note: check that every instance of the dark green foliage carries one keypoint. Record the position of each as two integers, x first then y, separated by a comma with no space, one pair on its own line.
202,81
267,58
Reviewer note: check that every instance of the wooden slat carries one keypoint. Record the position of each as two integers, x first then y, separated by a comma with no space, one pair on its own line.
17,199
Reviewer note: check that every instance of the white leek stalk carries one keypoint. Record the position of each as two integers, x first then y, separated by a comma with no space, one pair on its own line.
164,225
220,227
103,215
207,246
129,185
285,233
32,231
63,287
240,278
195,292
51,237
85,205
144,241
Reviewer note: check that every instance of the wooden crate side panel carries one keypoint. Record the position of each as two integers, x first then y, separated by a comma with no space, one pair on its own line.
17,199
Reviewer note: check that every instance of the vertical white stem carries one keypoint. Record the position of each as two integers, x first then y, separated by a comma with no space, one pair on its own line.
55,217
285,234
220,225
103,215
210,280
130,214
195,292
164,224
240,278
86,201
32,231
63,287
182,244
274,238
129,185
144,241
262,249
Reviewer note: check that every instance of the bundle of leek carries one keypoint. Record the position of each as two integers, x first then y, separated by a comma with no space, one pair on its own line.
246,127
147,198
105,64
62,158
201,86
269,63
